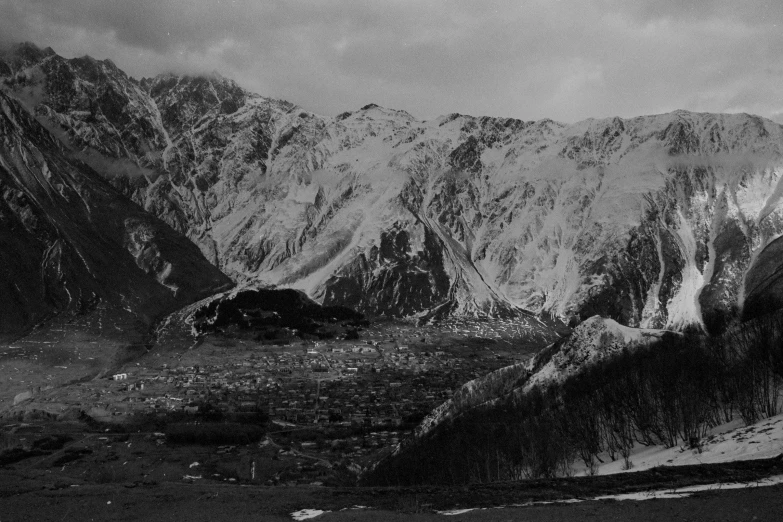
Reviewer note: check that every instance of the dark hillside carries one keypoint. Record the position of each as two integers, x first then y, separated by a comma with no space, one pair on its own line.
275,313
69,241
670,393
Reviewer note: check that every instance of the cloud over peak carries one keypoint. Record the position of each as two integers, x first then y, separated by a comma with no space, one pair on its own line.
567,59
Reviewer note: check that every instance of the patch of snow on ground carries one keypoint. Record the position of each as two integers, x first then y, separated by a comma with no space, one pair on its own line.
304,514
450,512
687,491
641,495
726,443
683,492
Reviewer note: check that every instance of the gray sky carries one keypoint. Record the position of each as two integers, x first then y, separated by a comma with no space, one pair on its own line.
529,59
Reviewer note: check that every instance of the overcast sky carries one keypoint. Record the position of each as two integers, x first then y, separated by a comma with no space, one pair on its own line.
563,59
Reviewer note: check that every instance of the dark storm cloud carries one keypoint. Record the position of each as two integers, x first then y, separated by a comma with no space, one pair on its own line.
566,59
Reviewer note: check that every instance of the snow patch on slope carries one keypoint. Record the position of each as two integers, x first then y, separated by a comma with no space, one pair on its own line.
726,443
684,309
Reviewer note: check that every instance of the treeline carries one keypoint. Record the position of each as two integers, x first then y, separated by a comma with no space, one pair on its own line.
671,393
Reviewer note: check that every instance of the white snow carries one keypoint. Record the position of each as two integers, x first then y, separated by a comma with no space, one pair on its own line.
652,494
640,495
726,443
683,307
689,490
304,514
303,193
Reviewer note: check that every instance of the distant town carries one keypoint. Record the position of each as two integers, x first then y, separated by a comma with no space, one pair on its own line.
371,384
340,403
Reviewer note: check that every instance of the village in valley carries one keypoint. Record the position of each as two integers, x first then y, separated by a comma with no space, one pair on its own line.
342,403
390,377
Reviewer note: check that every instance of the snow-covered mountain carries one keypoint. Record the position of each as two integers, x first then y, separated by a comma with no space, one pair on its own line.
658,221
70,242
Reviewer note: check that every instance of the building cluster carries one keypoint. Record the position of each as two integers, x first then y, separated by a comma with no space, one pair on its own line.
379,385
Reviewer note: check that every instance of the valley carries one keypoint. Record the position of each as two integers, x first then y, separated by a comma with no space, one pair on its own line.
329,408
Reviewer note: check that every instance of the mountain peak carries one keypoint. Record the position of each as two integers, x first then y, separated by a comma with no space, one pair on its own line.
29,49
185,99
213,77
21,56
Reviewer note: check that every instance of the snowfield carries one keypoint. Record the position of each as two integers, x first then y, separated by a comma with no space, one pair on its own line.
725,443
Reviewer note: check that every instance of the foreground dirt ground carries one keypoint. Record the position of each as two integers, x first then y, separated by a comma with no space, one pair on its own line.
44,495
195,504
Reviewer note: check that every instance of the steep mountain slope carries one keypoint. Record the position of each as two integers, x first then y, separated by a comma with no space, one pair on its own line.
69,241
655,221
592,341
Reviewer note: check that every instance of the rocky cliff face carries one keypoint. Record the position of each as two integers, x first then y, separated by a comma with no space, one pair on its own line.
69,241
656,221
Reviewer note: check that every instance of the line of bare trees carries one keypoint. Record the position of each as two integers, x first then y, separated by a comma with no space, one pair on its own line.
671,393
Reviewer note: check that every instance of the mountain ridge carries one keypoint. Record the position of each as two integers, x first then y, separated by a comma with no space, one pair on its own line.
653,221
